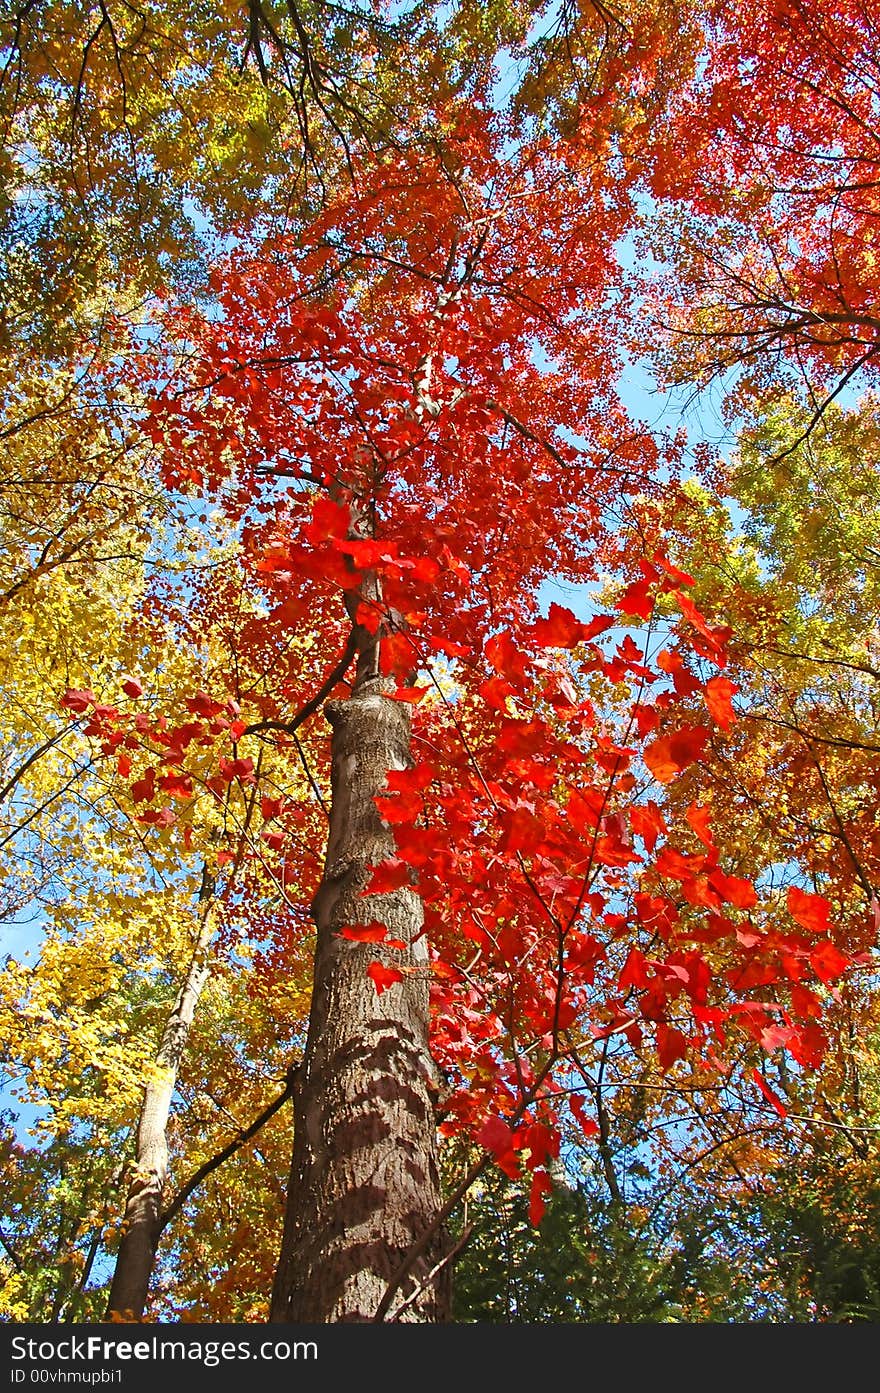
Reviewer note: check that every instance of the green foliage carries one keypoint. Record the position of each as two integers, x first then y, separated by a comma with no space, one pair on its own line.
588,1261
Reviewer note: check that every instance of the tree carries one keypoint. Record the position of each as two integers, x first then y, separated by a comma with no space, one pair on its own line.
396,348
92,597
134,139
405,411
770,212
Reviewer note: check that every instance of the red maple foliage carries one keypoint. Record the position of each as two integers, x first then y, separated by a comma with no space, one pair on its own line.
411,418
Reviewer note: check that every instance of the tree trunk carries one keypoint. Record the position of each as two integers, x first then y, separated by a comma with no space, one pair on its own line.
364,1182
142,1224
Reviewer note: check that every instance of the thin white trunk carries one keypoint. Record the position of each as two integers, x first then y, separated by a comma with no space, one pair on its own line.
143,1207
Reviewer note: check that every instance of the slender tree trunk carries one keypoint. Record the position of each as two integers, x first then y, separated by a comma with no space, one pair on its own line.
364,1182
142,1224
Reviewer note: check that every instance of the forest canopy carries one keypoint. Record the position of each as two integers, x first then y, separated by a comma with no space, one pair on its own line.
439,778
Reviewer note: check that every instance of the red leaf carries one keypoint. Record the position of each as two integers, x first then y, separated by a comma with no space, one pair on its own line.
329,520
671,1045
584,809
690,612
747,937
769,1094
588,1125
808,1046
671,754
242,769
457,567
698,818
399,807
828,962
775,1037
369,617
647,718
680,577
559,630
506,658
370,933
634,972
321,563
389,875
413,695
203,705
365,933
683,680
132,687
441,644
495,1136
383,977
615,847
647,822
143,790
805,1003
597,626
638,598
611,757
740,893
398,654
583,952
178,785
541,1186
447,972
810,911
423,568
163,818
657,915
672,863
495,693
716,694
542,1142
367,552
78,701
402,780
523,832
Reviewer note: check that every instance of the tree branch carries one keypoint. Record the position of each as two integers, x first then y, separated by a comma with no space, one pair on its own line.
236,1144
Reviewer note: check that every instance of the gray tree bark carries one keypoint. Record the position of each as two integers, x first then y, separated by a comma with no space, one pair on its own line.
364,1183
